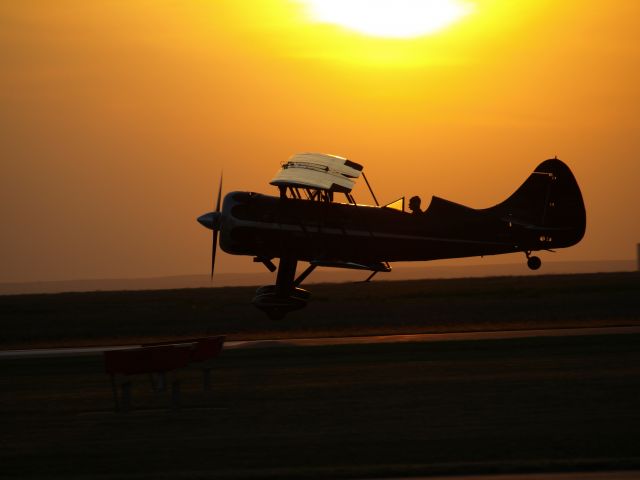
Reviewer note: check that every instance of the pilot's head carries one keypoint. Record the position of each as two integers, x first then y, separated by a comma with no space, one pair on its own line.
414,204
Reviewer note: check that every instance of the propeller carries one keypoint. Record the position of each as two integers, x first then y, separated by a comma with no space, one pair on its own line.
215,229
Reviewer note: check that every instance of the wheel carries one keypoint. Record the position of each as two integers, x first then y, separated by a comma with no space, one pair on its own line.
534,263
276,305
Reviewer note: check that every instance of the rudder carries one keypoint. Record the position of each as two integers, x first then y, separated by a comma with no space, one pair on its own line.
549,199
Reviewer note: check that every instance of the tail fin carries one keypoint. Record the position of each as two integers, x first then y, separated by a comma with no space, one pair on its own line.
549,199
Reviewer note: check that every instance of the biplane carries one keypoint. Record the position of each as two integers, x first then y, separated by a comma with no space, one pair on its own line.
306,223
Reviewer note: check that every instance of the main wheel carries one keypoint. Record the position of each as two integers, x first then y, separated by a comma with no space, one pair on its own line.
276,305
534,263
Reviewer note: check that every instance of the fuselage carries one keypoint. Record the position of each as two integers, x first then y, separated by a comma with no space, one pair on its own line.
272,227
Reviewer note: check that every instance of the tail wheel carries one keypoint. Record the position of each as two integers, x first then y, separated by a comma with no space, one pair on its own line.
534,263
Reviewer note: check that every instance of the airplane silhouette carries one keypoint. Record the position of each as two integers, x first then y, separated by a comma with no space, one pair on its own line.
304,223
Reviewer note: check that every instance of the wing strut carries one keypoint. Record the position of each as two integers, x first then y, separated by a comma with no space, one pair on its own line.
371,276
370,189
370,231
301,278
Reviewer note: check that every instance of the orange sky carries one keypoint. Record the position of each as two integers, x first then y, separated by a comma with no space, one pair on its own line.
117,117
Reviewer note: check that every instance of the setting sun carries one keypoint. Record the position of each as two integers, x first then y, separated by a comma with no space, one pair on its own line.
389,18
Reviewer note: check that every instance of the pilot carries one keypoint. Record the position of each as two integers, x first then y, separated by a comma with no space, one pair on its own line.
414,205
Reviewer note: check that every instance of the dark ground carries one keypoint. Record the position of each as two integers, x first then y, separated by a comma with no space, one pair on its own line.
499,303
539,404
349,411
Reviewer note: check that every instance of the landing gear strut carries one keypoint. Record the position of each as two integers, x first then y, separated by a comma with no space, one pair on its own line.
534,262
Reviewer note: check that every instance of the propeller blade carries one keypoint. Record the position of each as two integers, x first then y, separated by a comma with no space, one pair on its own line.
213,252
214,245
219,194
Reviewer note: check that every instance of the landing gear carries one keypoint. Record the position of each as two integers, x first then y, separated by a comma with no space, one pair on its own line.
534,262
285,296
277,304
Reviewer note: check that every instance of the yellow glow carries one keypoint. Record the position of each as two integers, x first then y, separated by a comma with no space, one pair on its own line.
389,18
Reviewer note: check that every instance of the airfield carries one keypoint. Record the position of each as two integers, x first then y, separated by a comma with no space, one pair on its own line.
563,399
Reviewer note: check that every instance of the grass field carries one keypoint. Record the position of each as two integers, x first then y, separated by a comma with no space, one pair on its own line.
368,411
378,307
350,411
